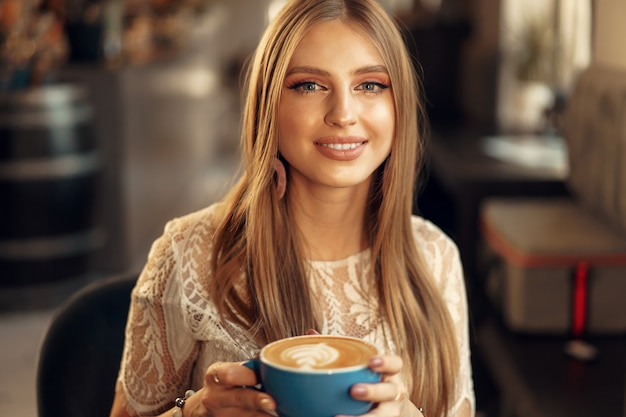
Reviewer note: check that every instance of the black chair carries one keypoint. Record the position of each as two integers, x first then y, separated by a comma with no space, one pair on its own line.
81,350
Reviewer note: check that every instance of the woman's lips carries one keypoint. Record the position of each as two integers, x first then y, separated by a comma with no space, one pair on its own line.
341,150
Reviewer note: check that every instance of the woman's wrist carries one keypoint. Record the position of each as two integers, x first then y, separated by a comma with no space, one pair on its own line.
179,403
187,405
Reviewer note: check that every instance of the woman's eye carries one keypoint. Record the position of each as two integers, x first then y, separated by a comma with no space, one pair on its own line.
306,87
372,87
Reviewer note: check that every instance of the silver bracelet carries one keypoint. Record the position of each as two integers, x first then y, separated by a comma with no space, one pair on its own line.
180,402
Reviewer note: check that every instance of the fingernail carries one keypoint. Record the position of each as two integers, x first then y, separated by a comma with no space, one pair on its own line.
266,404
359,391
376,361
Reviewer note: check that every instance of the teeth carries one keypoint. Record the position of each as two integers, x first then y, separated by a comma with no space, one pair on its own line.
342,146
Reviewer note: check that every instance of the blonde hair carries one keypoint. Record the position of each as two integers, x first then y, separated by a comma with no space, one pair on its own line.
274,302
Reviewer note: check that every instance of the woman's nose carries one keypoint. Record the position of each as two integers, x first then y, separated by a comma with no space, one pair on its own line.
342,109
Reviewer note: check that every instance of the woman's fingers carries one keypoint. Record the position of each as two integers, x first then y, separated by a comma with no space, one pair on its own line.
225,384
389,397
386,364
383,391
238,402
230,374
390,394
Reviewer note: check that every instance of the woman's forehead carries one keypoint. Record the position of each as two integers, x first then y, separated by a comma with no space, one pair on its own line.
335,43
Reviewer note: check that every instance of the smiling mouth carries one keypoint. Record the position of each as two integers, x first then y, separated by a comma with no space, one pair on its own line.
341,146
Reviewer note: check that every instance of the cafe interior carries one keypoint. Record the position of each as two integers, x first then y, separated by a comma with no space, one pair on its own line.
119,115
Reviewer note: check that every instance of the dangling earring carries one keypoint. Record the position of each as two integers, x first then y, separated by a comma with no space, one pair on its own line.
281,178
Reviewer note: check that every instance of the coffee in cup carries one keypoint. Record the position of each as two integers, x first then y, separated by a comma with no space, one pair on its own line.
319,353
311,376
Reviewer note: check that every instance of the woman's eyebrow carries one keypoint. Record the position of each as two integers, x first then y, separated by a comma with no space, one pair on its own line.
318,71
370,69
308,70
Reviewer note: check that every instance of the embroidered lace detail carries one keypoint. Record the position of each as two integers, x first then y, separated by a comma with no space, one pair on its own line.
174,332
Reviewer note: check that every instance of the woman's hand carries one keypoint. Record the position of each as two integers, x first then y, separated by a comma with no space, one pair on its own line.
224,393
390,395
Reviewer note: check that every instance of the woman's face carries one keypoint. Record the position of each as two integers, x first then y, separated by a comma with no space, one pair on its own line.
336,115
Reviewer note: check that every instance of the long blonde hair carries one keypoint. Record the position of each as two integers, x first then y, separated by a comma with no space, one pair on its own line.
256,238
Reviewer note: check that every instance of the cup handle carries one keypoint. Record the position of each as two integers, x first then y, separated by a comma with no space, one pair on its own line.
253,364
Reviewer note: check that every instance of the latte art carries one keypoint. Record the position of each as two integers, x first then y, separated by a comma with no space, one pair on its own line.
318,353
311,356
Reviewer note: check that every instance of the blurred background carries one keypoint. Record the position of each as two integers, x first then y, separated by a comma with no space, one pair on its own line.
144,96
118,115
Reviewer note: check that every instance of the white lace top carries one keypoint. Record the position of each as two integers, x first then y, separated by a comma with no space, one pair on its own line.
174,332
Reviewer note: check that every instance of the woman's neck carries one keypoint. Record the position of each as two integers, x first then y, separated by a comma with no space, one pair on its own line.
331,222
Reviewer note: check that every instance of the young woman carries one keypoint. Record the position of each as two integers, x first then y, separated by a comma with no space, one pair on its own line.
317,235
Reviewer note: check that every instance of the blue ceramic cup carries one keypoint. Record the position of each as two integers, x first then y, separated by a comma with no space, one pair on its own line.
311,376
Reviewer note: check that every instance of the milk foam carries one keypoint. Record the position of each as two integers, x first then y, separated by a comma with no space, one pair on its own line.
311,356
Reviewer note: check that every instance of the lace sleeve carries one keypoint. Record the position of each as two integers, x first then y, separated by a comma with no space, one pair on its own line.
444,260
159,350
